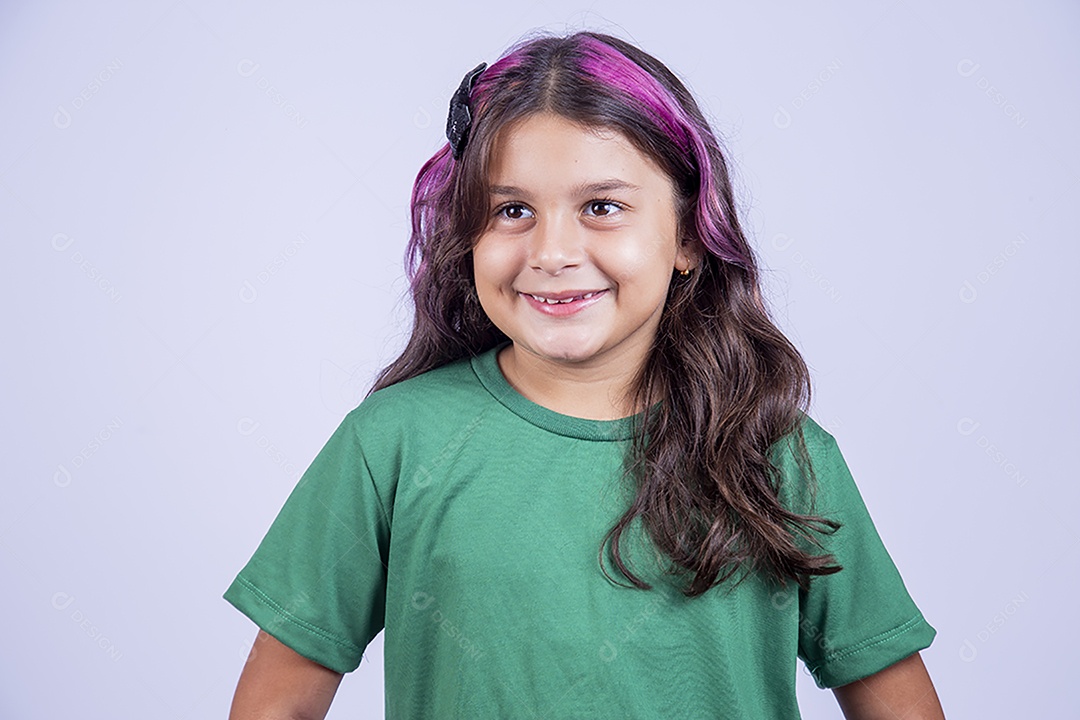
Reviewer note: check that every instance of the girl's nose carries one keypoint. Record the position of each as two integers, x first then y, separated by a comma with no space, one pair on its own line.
556,242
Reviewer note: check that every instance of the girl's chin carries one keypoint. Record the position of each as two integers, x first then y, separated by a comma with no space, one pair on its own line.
568,349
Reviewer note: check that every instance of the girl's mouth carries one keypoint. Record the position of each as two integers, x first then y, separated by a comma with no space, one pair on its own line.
562,308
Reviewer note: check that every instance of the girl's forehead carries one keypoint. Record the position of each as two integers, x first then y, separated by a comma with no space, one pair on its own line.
549,148
549,123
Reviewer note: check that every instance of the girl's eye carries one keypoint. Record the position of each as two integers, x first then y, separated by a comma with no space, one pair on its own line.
512,211
603,208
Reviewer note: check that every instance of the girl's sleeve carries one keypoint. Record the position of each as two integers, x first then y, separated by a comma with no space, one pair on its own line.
860,620
317,581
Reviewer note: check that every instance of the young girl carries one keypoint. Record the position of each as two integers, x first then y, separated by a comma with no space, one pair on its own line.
589,487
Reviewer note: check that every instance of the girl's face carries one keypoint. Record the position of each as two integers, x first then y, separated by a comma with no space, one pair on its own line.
576,212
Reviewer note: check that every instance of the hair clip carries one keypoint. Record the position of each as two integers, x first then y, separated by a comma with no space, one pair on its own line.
460,118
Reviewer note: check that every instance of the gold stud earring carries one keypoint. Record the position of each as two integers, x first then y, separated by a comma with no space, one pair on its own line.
684,272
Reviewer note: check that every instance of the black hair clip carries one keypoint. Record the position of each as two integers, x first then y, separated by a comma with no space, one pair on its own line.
460,118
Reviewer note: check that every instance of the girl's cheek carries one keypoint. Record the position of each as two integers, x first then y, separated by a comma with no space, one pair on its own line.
512,251
628,255
496,262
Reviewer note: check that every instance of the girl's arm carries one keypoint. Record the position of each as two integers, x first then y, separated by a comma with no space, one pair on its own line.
279,683
902,690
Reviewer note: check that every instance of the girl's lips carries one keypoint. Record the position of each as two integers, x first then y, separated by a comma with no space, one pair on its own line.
563,309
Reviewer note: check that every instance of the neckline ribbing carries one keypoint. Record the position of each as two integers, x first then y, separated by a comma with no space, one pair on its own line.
486,367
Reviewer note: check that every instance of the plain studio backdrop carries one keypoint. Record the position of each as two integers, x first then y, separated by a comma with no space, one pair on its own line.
204,210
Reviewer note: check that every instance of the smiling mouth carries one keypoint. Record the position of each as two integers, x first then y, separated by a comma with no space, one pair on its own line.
565,300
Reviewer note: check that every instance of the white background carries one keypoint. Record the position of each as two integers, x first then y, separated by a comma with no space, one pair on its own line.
205,209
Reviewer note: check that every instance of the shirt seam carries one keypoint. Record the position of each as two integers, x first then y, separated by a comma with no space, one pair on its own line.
371,479
574,434
314,629
871,642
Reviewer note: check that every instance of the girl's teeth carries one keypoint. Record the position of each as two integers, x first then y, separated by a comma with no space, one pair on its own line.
549,301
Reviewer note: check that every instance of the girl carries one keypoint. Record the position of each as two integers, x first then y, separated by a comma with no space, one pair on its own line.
589,487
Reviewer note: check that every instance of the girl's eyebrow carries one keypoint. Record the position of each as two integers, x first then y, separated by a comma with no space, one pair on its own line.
587,188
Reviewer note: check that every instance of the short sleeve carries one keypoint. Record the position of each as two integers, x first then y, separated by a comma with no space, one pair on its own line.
860,620
317,581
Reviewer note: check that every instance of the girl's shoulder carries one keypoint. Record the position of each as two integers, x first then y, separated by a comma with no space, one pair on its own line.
819,441
435,396
811,473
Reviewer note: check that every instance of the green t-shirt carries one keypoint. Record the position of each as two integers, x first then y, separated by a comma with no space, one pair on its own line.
467,521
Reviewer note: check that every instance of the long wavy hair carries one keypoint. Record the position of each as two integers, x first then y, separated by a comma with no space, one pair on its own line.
732,385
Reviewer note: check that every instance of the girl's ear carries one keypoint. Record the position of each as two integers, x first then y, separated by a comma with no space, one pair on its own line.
691,251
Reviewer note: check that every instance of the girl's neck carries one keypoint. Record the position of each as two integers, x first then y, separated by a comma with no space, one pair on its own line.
596,393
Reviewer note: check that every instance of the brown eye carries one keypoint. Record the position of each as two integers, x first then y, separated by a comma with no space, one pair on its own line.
512,212
602,208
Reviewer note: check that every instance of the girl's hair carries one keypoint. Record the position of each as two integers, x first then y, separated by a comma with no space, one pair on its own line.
732,384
